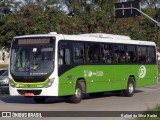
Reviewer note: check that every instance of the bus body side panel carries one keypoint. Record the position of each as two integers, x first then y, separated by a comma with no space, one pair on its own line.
147,75
143,74
100,78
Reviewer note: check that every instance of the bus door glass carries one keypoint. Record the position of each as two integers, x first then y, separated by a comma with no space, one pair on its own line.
64,57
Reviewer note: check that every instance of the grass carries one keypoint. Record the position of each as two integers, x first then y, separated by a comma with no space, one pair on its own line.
151,114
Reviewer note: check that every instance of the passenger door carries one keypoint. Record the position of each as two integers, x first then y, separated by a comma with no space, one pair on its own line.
64,57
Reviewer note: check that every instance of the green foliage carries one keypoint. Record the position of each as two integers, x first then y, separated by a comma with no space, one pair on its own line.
44,16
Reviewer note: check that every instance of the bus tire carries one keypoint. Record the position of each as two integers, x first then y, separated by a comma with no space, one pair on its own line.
77,97
39,99
129,92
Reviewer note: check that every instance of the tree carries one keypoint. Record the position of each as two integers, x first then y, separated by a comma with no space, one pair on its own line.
44,16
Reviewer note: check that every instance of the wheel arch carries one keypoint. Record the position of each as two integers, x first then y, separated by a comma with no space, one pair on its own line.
134,78
82,82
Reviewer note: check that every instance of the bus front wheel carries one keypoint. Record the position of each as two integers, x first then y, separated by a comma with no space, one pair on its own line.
77,97
130,88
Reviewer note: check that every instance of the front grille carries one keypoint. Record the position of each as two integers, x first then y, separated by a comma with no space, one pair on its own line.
35,92
4,85
30,79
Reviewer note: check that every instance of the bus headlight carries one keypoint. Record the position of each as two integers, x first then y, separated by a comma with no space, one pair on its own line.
11,83
49,83
6,80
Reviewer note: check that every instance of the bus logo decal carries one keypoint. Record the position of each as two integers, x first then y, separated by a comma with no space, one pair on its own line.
91,73
142,71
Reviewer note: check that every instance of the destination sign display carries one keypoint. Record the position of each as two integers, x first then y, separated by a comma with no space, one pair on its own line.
33,41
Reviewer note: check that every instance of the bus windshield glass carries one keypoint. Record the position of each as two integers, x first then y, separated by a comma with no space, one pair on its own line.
32,60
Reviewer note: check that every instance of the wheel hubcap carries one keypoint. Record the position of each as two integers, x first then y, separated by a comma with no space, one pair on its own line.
131,88
78,93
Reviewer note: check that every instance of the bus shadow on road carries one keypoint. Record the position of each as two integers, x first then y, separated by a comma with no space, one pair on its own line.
138,91
54,100
109,94
24,100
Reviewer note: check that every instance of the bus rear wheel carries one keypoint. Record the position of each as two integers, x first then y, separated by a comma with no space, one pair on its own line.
39,99
129,92
77,97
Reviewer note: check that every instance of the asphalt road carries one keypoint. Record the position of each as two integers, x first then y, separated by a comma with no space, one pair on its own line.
144,98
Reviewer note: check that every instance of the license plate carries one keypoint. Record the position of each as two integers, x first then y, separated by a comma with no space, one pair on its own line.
29,94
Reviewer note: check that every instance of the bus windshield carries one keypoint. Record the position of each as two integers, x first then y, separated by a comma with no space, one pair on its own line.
37,60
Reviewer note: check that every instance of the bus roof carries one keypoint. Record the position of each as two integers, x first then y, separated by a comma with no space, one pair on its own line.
103,35
95,37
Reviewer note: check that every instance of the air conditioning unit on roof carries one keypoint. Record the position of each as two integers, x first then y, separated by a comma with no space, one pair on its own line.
53,33
103,35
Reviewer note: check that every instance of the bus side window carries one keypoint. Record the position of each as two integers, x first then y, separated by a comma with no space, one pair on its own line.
67,57
107,53
119,53
60,58
64,56
131,56
89,59
151,56
142,53
93,53
78,53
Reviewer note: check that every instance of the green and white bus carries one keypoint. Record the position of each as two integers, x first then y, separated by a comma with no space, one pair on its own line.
47,65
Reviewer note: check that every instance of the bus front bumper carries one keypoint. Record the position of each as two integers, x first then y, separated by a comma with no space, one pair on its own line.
51,91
